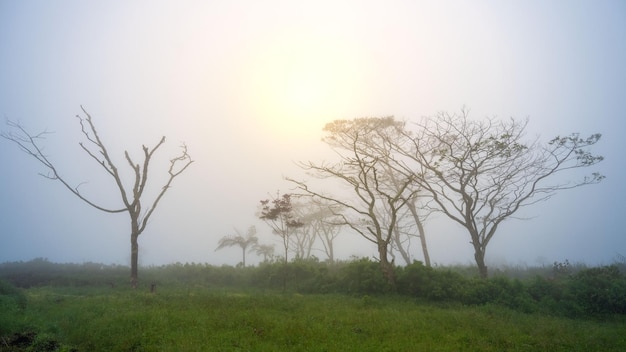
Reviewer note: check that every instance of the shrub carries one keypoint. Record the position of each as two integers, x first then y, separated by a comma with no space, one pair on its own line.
499,290
600,290
425,282
12,304
362,276
541,288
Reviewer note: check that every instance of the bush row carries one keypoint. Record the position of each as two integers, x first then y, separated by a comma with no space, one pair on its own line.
587,292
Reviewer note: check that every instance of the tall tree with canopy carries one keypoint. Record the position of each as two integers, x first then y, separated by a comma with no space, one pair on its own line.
481,172
131,197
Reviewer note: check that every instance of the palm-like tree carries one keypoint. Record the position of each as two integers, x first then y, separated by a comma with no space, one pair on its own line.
266,250
245,242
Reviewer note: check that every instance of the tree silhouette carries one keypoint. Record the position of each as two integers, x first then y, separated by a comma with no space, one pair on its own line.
131,197
278,215
266,250
373,200
481,172
246,242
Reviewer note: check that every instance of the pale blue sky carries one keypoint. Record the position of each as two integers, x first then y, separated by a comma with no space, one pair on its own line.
248,85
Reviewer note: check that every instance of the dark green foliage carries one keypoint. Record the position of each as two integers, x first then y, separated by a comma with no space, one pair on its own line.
11,295
44,343
12,302
582,292
600,290
197,306
361,276
540,288
41,272
299,275
206,319
425,282
500,290
547,293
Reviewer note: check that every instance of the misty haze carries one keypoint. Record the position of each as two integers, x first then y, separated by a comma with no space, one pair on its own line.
266,162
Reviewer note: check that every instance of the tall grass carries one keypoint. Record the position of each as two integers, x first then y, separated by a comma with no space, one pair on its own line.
203,319
344,306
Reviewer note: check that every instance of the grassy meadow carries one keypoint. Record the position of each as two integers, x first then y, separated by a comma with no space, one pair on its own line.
201,319
199,316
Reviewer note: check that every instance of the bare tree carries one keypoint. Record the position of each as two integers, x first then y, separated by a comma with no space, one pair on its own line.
480,173
316,218
96,149
362,173
302,238
327,231
324,225
246,242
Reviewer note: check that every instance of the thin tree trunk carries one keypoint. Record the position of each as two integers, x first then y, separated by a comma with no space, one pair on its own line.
134,259
420,229
422,233
396,238
285,264
479,256
331,254
386,266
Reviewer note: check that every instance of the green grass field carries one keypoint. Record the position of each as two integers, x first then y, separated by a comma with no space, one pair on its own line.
203,319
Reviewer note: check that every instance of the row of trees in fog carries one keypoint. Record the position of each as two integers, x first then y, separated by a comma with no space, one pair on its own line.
389,176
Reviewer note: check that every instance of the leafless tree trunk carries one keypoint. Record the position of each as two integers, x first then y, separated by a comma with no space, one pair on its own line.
420,230
327,231
401,244
96,149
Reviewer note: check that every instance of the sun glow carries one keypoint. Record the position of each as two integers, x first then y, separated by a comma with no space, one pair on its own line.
298,85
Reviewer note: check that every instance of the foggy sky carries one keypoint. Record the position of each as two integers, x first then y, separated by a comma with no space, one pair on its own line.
248,86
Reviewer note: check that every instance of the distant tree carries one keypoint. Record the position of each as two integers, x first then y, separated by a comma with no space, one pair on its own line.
266,250
131,196
370,202
481,172
278,214
312,214
327,230
302,238
324,225
246,242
